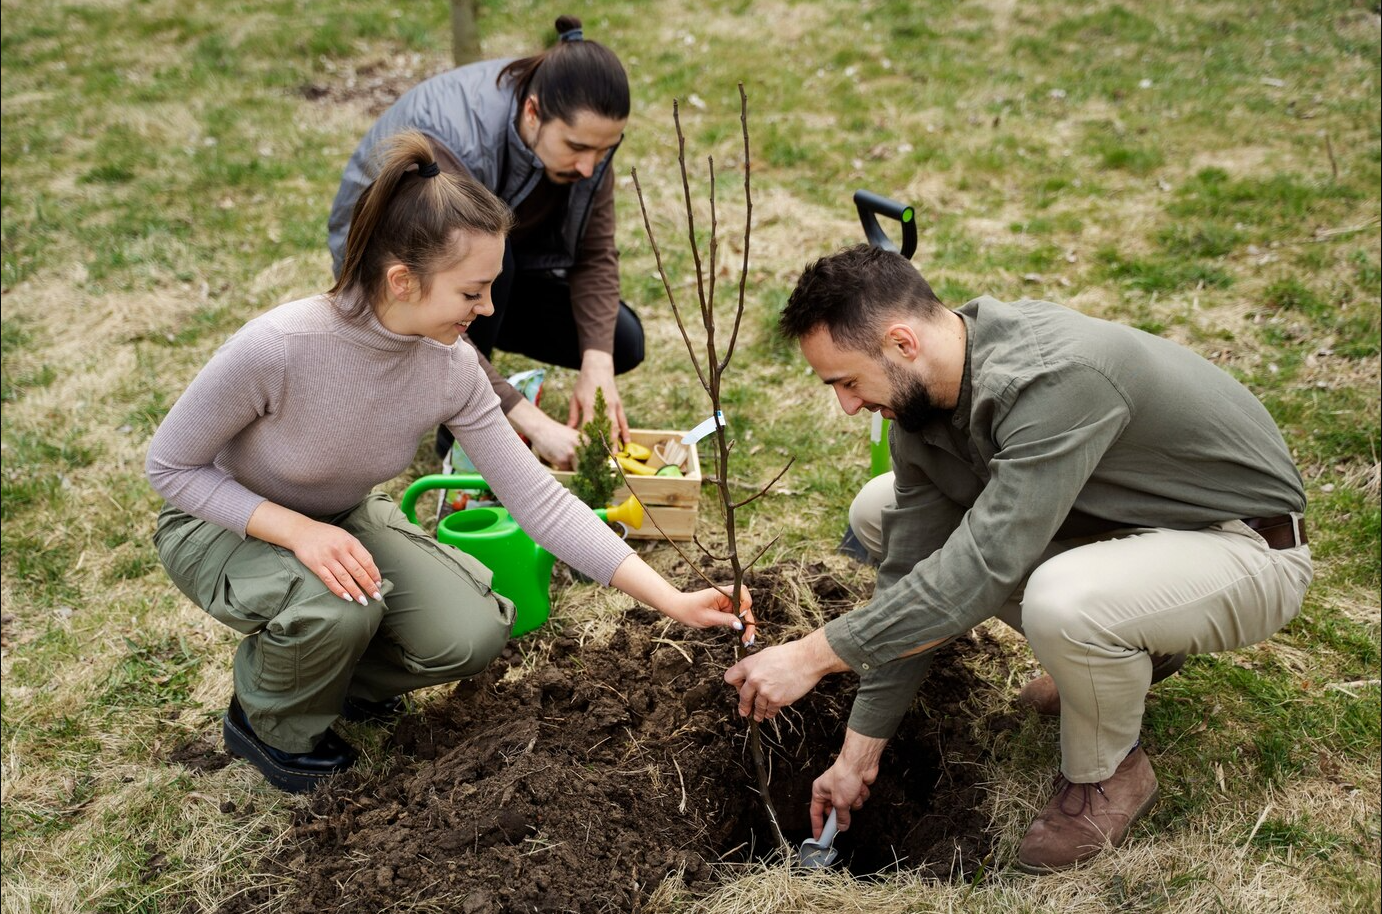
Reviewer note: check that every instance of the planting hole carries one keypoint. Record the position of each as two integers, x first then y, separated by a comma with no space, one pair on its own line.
605,769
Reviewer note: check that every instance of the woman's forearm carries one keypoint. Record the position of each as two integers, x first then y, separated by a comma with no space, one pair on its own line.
637,579
276,524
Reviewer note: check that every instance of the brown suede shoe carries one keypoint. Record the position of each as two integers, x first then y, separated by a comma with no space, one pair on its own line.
1040,694
1082,819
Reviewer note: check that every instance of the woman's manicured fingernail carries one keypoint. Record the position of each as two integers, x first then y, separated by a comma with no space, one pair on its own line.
361,600
346,597
377,595
379,585
738,626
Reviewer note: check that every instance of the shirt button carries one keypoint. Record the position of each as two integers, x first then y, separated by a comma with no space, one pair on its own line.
865,667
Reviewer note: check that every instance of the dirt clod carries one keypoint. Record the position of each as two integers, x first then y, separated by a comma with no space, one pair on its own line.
199,754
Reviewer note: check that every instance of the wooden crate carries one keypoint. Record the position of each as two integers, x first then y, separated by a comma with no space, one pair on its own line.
672,500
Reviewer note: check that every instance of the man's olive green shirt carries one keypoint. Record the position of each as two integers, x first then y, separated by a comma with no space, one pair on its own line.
1066,426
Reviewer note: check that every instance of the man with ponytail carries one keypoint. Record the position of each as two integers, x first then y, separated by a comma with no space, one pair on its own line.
269,458
539,132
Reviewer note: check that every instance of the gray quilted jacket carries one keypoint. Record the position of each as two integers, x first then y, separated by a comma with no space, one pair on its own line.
472,117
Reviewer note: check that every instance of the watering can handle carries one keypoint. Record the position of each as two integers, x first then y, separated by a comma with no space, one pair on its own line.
408,502
871,206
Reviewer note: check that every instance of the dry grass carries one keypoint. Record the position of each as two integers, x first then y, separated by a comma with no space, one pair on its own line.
1205,866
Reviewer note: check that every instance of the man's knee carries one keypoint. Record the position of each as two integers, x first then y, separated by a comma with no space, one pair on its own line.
628,340
866,513
1054,605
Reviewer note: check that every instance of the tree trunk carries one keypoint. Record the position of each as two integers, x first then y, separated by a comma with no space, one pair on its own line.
465,32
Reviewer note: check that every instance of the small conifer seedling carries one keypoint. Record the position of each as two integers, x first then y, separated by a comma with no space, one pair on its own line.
595,479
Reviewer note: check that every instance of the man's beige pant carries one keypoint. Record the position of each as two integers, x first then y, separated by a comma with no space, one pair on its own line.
305,649
1093,611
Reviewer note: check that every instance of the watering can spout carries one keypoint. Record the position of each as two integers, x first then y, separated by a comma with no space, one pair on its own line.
629,512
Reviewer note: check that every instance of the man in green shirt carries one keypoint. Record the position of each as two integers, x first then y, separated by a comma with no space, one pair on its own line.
1108,493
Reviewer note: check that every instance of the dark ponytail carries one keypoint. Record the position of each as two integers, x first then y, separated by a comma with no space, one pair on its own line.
410,214
572,76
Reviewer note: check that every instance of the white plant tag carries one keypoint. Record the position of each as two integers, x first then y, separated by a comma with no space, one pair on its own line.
705,428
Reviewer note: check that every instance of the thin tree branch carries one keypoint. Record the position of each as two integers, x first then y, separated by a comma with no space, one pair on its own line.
753,561
764,491
714,236
710,555
666,285
690,213
748,224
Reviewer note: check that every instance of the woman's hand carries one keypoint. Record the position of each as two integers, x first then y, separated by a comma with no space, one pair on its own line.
700,609
712,606
338,558
341,561
597,373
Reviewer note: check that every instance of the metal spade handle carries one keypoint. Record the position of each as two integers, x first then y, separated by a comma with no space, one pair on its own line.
816,853
830,830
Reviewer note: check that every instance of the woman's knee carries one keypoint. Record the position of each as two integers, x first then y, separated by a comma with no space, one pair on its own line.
314,613
468,645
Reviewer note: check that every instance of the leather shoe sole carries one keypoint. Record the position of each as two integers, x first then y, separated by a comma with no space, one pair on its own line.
242,742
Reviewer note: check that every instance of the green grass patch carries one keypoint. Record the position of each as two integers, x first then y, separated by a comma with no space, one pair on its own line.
1115,152
1352,525
1328,426
1161,274
1281,837
158,674
36,467
1276,201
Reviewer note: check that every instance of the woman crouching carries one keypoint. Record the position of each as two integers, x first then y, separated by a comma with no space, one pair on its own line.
267,463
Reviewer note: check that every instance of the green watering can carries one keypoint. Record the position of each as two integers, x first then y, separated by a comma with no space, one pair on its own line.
522,569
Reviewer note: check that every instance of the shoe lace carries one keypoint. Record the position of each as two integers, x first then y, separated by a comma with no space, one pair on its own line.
1082,793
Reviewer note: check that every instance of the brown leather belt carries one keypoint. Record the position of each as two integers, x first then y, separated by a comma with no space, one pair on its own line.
1280,532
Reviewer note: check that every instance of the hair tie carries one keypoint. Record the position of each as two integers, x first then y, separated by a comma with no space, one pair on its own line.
430,170
572,35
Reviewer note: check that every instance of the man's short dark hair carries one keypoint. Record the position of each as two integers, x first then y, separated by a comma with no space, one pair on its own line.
853,292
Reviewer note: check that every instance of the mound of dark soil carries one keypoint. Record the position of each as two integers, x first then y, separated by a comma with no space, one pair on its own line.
584,783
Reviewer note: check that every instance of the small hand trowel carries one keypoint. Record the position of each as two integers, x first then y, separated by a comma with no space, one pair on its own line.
816,853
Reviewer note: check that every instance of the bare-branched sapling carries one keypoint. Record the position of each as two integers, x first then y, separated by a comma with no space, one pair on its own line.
711,363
